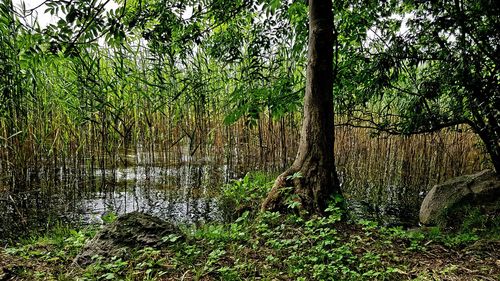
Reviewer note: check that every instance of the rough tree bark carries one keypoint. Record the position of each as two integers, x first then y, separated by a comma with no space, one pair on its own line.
314,160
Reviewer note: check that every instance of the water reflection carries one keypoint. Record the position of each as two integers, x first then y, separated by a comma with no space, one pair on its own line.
390,205
184,193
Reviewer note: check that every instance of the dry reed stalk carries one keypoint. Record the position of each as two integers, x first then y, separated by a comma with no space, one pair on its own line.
414,162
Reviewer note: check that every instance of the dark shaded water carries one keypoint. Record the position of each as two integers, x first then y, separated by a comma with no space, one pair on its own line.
185,193
389,205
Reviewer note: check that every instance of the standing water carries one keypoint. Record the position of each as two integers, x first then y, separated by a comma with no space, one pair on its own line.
383,179
185,192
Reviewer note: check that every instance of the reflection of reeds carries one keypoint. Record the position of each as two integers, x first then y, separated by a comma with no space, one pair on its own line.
372,167
62,155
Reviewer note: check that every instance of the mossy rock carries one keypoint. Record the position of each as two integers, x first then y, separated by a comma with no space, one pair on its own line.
129,232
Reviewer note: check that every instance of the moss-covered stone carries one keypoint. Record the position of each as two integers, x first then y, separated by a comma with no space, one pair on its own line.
130,231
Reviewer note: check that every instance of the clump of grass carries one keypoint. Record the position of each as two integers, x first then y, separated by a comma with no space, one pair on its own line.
479,220
44,256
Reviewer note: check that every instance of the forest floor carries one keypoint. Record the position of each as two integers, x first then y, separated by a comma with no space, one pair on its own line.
269,247
273,246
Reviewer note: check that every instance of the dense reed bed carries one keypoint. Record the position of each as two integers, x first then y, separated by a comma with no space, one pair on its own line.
364,160
60,152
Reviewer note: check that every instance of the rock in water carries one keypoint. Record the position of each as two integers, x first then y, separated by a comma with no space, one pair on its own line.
482,187
130,231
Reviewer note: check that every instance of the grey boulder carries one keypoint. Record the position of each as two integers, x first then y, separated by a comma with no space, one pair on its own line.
477,188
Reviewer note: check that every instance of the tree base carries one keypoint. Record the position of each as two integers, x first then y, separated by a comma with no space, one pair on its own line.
306,191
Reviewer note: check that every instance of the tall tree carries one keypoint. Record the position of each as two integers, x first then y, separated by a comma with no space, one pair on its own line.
312,177
430,65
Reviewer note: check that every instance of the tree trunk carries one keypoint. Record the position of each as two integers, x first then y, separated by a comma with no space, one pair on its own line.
492,147
315,177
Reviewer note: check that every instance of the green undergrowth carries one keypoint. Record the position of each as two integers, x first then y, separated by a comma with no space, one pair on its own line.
245,194
265,246
478,220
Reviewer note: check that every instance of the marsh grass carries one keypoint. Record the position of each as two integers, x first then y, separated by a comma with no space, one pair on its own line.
377,169
83,111
397,169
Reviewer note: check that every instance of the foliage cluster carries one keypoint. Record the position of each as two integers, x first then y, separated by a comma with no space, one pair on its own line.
245,194
423,66
178,64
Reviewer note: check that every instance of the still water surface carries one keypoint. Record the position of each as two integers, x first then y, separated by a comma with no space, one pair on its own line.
185,193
